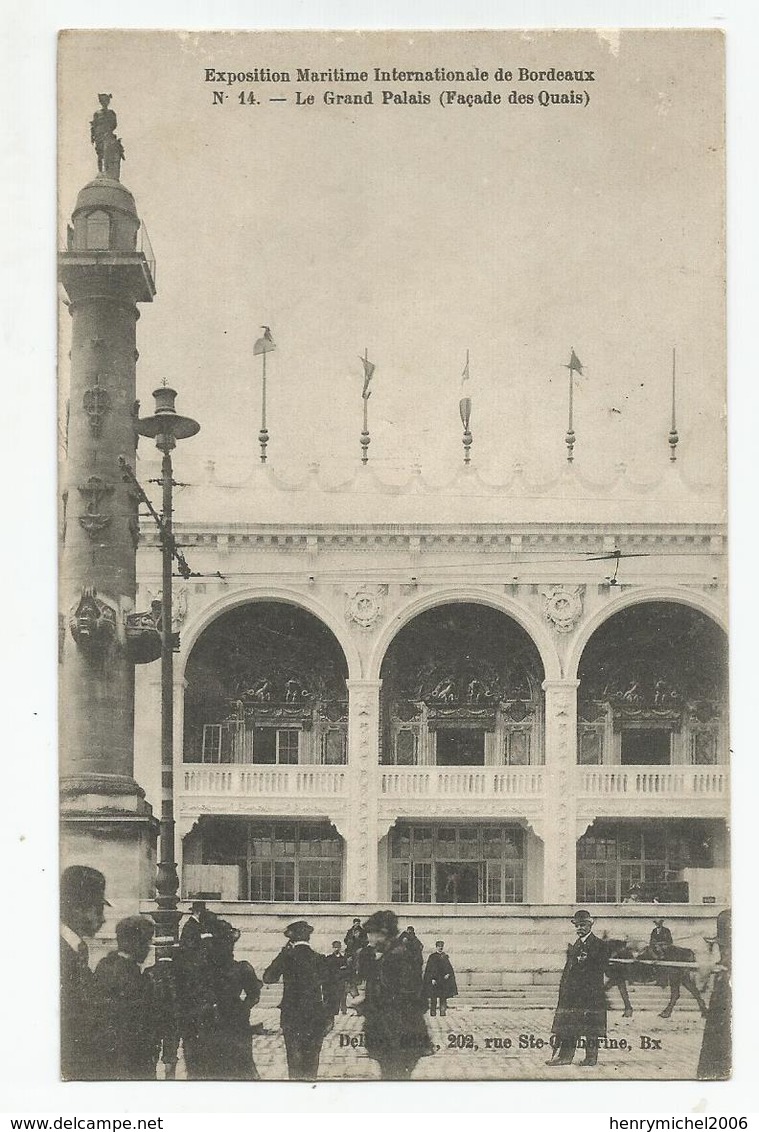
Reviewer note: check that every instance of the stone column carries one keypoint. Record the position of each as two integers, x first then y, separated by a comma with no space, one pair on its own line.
105,821
363,765
559,855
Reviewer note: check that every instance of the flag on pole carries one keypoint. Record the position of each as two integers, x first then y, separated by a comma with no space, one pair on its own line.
369,368
575,365
465,373
265,344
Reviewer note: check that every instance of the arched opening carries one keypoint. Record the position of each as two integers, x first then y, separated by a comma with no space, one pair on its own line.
461,686
653,731
653,689
266,684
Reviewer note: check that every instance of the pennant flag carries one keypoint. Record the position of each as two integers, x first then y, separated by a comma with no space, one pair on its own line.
465,373
265,344
369,368
575,365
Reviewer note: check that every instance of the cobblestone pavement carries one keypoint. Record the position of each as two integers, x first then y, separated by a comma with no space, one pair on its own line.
473,1044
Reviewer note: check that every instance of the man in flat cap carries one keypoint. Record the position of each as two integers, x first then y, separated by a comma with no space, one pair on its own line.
336,983
304,1017
83,901
581,1009
126,1021
395,1032
355,945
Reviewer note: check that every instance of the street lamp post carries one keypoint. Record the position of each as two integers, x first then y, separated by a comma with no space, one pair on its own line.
166,427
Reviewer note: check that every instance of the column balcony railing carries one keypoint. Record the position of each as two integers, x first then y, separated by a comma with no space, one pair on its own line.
704,782
460,782
270,781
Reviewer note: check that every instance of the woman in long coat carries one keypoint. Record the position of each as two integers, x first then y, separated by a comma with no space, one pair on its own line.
223,1049
581,1009
395,1033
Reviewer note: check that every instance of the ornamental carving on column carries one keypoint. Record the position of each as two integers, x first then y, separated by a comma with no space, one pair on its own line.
95,518
92,622
96,403
363,743
364,606
562,606
563,717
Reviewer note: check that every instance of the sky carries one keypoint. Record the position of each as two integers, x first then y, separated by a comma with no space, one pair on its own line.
418,232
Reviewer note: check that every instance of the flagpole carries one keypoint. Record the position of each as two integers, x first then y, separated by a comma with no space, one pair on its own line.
365,438
262,346
570,437
673,436
465,410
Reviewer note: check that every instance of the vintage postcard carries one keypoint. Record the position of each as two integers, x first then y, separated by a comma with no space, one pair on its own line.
393,654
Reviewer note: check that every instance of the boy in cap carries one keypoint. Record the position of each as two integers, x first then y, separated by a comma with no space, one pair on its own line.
83,901
127,1028
304,1017
581,1009
336,984
439,980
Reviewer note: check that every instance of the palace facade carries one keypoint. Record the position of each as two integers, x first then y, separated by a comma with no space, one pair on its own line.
506,696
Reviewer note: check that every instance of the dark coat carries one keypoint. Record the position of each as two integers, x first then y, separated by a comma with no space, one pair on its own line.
661,935
77,1042
415,948
581,1009
126,1020
439,977
303,973
222,1048
355,940
336,975
395,1029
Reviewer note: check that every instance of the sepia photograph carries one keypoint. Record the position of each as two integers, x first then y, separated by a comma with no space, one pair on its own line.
392,591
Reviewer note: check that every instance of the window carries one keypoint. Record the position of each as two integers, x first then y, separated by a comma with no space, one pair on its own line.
649,858
646,746
334,749
218,743
518,748
287,746
212,743
460,747
273,745
590,750
294,861
704,748
467,864
406,746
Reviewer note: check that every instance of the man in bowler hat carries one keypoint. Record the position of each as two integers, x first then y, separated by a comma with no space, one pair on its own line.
304,1017
126,1026
581,1009
82,895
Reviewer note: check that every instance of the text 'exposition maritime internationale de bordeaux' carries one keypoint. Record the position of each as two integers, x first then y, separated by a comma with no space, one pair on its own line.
394,86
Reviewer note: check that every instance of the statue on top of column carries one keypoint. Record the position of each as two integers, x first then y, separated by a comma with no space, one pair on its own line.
108,147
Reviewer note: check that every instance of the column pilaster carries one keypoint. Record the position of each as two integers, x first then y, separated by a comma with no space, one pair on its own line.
363,763
560,851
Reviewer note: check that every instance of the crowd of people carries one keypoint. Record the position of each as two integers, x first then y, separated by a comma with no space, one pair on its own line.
120,1019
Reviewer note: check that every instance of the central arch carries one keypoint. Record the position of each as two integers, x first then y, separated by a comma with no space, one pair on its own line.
462,595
